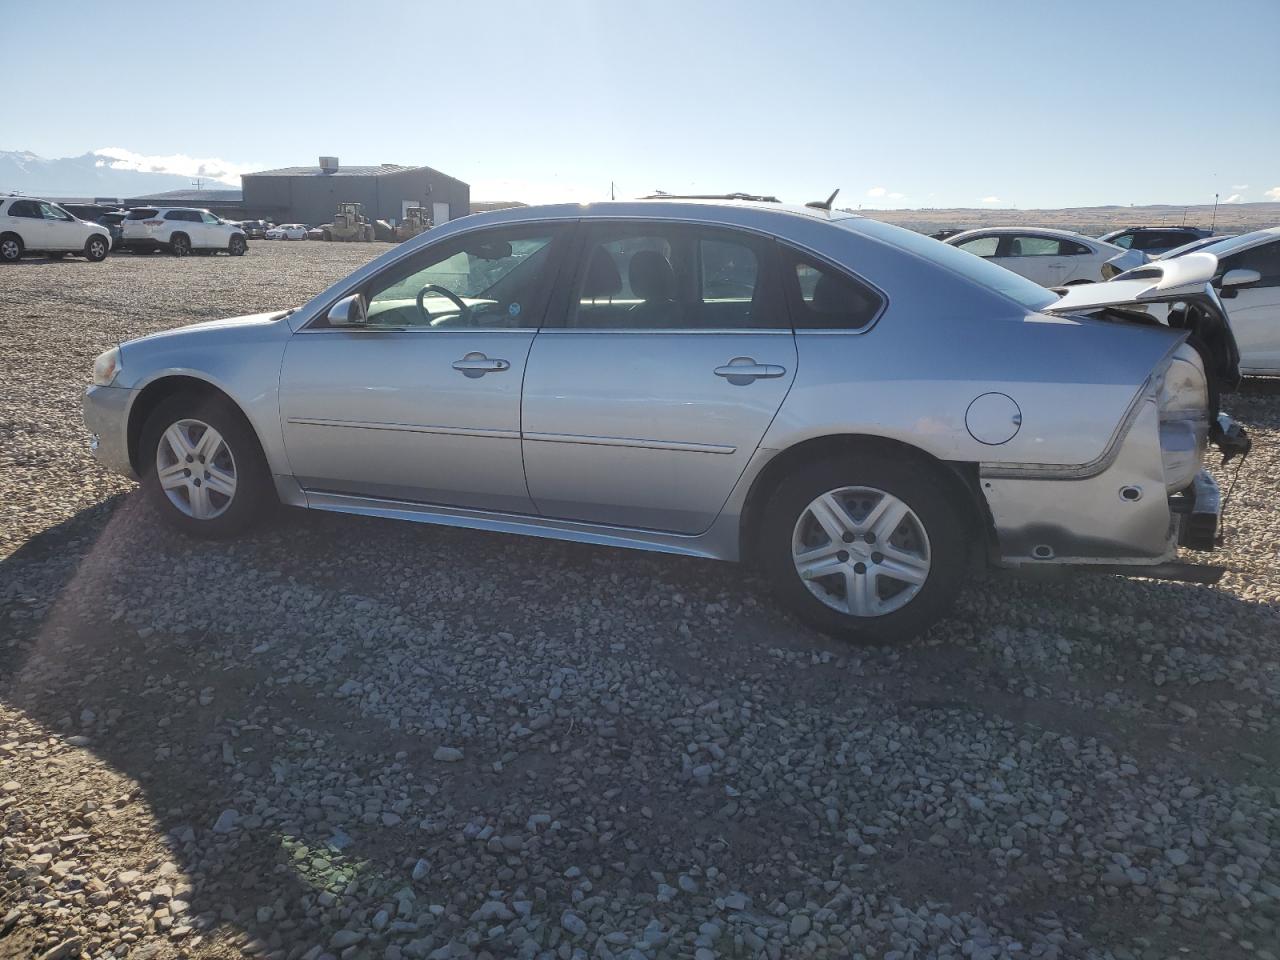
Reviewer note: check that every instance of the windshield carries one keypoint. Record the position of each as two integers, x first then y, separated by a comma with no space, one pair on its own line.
1019,289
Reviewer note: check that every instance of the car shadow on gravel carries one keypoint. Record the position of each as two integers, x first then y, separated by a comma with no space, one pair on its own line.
164,660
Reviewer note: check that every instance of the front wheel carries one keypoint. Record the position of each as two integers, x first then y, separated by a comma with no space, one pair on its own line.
237,246
95,249
204,471
870,547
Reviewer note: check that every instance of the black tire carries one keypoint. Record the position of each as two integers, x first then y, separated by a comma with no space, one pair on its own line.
254,491
920,487
11,248
180,245
96,248
237,246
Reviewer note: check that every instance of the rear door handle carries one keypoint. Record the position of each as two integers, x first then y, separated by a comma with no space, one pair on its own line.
477,365
741,370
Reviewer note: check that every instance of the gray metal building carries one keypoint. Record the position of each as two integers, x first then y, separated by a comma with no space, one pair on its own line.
312,194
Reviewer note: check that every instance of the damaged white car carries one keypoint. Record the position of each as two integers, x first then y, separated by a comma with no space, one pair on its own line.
864,412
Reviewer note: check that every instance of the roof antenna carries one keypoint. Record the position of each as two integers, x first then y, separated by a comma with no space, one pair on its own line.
824,204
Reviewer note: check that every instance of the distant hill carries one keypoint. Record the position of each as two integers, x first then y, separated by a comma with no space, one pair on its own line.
87,175
1092,221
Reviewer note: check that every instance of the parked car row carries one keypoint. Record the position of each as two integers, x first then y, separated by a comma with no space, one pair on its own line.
1061,258
31,225
792,390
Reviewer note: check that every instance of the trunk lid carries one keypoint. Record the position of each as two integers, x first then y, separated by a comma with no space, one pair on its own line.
1185,286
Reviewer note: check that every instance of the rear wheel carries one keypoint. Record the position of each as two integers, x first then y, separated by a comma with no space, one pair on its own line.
237,246
872,548
95,249
10,248
203,469
180,245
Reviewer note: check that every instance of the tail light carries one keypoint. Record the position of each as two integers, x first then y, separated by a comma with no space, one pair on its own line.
1183,400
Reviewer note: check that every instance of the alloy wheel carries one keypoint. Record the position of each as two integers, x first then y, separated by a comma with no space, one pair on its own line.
861,551
9,249
196,469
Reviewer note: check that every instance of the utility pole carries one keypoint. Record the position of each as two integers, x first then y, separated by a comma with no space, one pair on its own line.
611,196
1215,213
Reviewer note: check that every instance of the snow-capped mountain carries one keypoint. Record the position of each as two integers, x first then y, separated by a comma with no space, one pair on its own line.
88,175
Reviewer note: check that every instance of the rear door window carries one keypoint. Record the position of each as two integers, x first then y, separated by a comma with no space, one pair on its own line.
824,298
1032,246
25,208
645,276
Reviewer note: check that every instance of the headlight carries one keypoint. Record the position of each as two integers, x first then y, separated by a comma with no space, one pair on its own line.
106,367
1184,418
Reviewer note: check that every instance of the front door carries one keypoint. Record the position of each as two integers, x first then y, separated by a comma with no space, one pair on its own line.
1254,311
422,403
62,232
655,378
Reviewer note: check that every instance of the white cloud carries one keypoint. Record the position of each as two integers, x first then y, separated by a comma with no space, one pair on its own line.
896,196
877,192
179,164
1273,193
1239,186
990,199
1234,198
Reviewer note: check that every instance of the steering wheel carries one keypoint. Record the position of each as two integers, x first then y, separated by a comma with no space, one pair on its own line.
464,311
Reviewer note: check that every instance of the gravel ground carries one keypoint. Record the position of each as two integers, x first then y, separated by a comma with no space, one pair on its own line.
352,738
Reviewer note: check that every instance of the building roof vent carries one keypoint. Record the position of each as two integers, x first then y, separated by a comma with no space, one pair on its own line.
328,164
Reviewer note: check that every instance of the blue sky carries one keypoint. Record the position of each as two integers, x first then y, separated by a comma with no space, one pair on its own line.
905,103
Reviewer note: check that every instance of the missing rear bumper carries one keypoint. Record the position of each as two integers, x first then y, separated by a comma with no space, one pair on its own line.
1199,510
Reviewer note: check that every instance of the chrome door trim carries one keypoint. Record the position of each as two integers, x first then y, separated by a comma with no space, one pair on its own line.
662,331
436,331
688,545
631,442
406,427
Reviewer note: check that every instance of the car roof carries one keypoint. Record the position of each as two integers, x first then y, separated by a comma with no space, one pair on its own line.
730,210
1022,231
1243,241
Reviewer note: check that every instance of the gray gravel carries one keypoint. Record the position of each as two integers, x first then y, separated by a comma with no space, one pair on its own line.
352,738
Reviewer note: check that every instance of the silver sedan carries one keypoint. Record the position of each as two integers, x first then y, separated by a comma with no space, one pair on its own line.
864,412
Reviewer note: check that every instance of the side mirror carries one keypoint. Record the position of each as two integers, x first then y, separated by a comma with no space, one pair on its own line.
348,312
1239,277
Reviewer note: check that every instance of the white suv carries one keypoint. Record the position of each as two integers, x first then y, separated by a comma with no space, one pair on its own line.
28,225
181,230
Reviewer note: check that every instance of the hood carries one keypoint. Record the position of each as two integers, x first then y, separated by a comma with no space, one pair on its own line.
1186,286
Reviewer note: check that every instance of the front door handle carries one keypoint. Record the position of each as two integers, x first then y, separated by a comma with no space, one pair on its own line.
477,365
743,370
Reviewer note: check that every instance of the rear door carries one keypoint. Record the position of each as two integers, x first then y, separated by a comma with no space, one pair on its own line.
663,362
1035,257
29,222
1255,310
